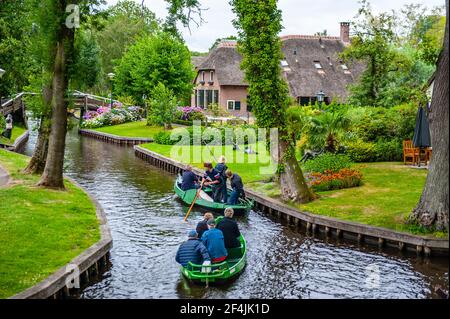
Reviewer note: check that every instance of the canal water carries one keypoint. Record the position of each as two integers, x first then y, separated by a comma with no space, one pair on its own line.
146,225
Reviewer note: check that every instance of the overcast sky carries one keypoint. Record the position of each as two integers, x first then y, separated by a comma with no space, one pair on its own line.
299,17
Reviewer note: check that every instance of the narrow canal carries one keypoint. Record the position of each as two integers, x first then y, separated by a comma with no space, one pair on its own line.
147,227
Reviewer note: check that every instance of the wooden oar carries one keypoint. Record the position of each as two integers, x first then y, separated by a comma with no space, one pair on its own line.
193,202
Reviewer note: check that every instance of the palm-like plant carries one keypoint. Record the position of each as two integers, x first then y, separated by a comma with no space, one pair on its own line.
326,130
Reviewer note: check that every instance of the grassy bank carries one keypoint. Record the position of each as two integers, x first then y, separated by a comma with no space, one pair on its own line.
40,230
131,129
251,167
15,133
389,192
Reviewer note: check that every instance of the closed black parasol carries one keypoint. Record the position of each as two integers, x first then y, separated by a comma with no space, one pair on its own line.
421,137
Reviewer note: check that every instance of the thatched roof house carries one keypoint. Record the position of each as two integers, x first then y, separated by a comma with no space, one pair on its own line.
311,64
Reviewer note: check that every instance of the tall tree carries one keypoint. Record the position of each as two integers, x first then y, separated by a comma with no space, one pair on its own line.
258,24
160,58
432,210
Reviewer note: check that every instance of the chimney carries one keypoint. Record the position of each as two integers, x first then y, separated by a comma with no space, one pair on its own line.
345,32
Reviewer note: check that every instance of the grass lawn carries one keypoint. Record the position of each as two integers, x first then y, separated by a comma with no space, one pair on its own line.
40,230
389,192
15,133
131,129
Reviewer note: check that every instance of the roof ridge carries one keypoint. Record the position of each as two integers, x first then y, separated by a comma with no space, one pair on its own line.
302,36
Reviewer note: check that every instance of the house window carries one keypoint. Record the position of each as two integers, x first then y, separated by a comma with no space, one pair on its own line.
216,96
303,100
211,76
234,105
201,99
203,77
209,97
317,65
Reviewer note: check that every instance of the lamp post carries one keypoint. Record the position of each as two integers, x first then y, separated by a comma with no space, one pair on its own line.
2,72
111,77
320,97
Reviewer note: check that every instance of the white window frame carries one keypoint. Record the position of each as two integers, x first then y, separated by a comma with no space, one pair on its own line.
228,105
202,77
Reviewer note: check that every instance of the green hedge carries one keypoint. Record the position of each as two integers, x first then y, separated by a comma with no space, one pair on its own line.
380,151
328,162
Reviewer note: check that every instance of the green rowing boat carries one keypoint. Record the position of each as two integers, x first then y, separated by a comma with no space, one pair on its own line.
188,196
220,272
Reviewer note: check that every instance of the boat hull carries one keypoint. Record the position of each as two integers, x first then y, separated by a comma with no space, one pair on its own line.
188,197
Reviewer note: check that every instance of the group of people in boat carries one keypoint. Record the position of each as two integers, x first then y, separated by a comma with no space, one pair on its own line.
216,178
209,242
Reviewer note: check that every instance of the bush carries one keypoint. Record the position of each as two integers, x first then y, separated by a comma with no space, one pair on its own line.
162,106
360,151
164,138
328,162
386,151
344,178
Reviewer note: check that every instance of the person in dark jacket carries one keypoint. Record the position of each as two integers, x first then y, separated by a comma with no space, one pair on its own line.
214,242
190,180
230,229
192,251
221,167
212,179
202,226
9,125
237,186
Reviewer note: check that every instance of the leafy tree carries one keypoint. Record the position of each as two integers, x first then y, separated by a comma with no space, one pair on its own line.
159,58
124,24
183,11
162,107
258,24
87,68
373,44
15,26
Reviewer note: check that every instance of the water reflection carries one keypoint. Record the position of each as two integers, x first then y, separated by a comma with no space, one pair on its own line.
147,228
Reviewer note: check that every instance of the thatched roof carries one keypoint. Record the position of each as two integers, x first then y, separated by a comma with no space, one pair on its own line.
196,60
305,79
300,52
225,60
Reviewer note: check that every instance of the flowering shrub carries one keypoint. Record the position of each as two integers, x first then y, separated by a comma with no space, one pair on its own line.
104,116
329,180
191,113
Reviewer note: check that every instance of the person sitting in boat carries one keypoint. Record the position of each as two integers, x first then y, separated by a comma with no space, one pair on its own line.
202,226
214,242
221,167
190,180
230,229
237,186
192,250
212,179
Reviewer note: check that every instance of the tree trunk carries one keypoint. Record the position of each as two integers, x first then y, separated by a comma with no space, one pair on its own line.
432,210
37,162
292,182
53,172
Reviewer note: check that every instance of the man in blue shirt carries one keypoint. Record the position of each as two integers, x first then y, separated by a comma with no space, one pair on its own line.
192,251
190,180
214,241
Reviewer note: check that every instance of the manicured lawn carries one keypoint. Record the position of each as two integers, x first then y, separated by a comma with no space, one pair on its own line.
16,132
251,167
40,230
389,192
131,129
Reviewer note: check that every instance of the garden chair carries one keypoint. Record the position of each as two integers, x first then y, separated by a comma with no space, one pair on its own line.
410,153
